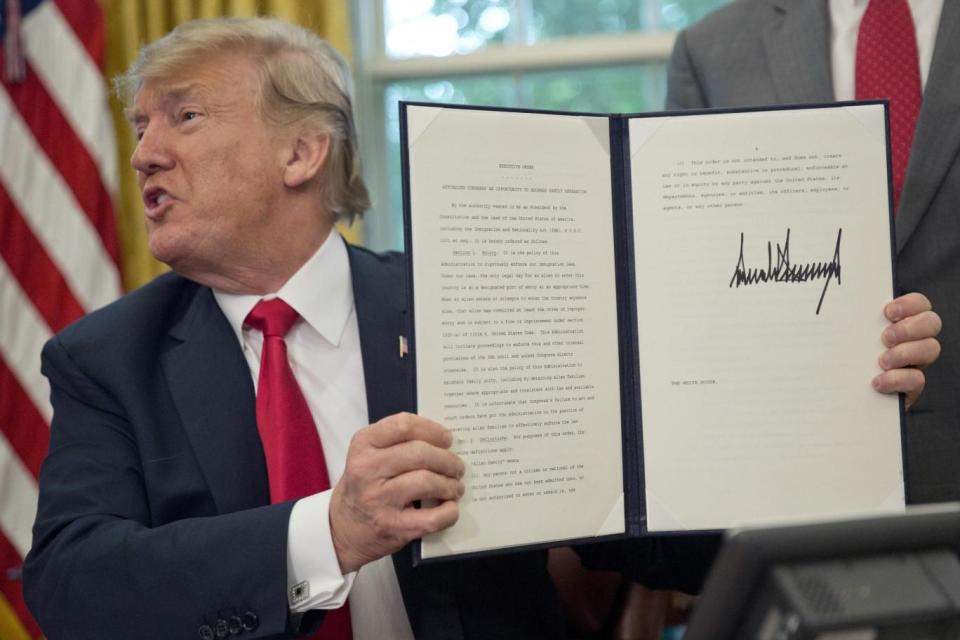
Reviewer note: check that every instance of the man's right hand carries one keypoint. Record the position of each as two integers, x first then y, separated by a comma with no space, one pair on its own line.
390,464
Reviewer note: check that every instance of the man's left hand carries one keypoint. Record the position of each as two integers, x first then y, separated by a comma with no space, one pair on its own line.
912,345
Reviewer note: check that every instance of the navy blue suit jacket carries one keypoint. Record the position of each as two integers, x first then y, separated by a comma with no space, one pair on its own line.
154,514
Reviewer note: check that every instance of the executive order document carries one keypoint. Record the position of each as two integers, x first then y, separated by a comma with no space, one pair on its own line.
763,261
754,260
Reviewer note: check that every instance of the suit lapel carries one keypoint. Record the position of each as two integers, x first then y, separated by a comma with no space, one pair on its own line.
380,300
798,50
214,396
936,143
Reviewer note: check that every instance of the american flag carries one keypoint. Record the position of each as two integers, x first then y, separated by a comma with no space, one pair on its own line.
58,245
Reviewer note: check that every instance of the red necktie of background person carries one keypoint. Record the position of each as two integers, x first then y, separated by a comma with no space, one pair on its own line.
888,66
295,462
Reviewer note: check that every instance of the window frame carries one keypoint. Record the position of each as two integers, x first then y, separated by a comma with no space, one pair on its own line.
374,71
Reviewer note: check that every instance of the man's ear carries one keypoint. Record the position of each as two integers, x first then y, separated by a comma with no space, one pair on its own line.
306,157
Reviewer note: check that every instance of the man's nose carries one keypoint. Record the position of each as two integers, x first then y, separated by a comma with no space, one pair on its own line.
152,152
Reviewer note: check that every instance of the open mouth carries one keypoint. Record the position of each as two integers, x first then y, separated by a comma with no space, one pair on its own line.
154,197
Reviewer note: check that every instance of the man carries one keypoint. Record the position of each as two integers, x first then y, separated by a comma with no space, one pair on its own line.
165,508
756,52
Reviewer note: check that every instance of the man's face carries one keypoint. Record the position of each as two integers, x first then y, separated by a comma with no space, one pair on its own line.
210,170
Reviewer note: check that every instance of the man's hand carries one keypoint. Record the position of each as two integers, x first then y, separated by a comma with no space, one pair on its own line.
391,464
911,341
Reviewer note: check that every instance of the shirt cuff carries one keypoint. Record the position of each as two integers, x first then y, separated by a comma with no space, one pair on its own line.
314,580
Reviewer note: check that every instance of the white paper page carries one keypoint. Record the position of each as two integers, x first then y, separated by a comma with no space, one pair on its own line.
757,406
515,312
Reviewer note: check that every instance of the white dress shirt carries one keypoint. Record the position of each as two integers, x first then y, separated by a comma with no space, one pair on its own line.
324,353
845,17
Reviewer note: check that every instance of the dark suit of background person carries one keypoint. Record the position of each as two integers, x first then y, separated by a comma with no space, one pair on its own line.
757,52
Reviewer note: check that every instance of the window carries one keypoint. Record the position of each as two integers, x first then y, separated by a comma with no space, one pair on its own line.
578,55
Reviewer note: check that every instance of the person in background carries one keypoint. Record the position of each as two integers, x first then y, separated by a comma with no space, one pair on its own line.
763,52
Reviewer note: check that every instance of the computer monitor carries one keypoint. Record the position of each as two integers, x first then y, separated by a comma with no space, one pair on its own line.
892,577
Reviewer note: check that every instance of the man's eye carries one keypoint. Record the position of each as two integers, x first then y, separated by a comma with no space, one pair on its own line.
189,115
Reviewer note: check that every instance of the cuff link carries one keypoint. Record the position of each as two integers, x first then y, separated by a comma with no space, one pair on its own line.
299,592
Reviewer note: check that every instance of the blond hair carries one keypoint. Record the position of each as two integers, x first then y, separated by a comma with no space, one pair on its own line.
304,81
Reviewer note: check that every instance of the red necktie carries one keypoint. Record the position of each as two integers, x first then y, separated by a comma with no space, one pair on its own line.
888,66
295,464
